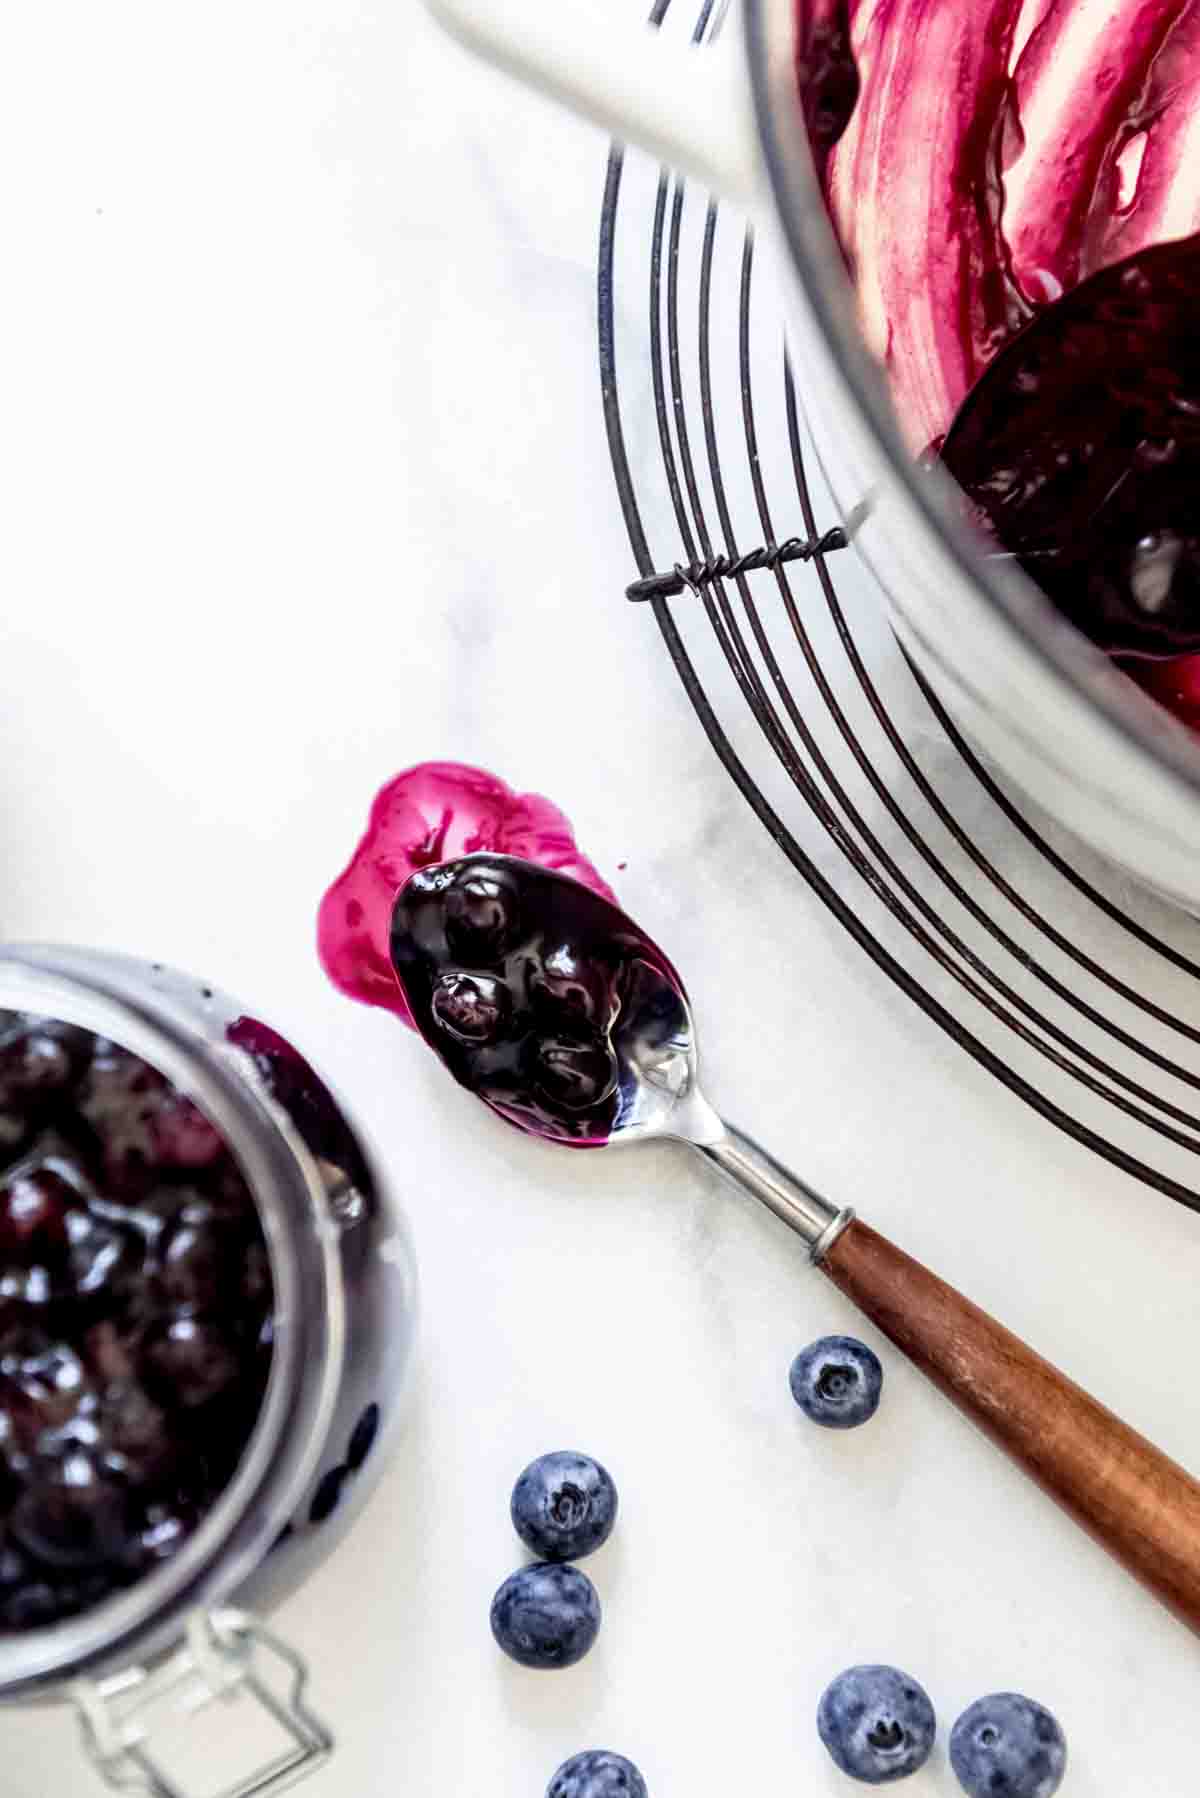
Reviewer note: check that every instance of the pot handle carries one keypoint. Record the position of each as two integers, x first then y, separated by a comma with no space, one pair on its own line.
688,104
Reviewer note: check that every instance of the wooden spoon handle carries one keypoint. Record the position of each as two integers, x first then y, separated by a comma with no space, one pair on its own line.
1139,1505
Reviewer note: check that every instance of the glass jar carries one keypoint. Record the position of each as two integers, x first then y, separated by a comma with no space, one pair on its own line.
343,1271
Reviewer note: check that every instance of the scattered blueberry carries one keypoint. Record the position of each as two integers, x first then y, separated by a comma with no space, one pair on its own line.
877,1724
1006,1746
564,1505
837,1382
597,1774
546,1616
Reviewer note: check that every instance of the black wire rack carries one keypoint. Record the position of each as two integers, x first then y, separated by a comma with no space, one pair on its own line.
1066,982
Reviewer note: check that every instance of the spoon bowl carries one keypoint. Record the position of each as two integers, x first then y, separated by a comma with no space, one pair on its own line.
654,1040
548,1002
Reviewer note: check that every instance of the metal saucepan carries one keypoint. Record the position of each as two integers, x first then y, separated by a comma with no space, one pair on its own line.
1041,702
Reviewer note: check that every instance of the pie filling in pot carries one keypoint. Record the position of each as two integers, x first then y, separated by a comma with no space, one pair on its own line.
1015,185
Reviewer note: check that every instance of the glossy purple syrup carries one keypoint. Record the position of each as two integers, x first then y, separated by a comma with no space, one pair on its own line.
996,154
135,1308
981,162
519,979
1079,450
827,74
430,814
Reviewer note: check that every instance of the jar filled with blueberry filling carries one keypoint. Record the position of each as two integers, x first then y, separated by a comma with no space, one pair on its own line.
206,1311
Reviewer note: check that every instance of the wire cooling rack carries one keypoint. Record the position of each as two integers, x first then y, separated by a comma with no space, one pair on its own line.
1069,984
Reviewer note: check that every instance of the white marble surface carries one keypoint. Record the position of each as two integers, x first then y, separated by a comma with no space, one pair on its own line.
304,479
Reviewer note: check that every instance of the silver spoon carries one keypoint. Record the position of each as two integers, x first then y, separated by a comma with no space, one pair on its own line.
1141,1506
658,1079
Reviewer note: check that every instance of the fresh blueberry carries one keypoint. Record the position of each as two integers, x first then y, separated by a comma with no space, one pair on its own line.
597,1774
877,1724
1007,1746
546,1616
837,1381
564,1505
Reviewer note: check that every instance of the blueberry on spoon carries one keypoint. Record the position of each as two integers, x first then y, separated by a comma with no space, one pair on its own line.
519,980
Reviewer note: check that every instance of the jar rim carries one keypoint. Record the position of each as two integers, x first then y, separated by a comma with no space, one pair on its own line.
114,996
